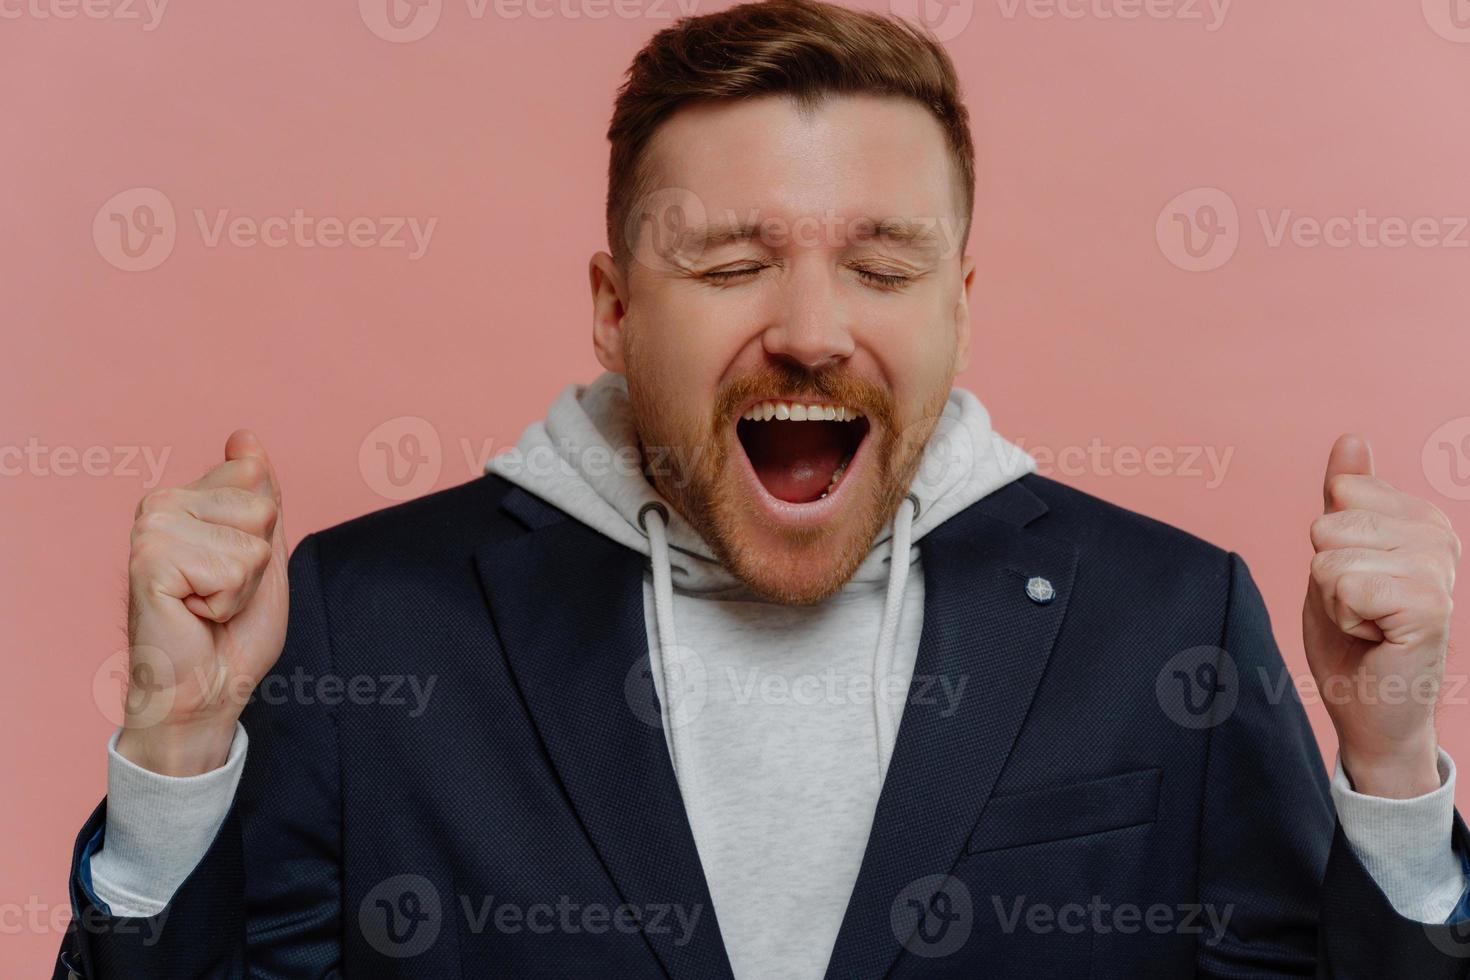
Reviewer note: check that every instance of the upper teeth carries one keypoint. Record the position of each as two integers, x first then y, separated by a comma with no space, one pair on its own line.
799,412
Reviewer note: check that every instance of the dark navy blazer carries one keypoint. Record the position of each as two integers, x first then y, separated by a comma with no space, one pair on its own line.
1127,788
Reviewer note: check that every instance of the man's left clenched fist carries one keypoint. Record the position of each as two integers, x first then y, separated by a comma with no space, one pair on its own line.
1376,622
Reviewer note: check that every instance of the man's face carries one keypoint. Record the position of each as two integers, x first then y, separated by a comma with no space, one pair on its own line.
789,259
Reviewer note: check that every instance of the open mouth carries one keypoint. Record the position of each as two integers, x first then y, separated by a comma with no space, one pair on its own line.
800,451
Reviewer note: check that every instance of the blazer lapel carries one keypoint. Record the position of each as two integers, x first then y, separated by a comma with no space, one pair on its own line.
568,607
980,627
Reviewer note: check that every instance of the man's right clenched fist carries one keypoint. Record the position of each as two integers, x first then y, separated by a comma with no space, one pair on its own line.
207,603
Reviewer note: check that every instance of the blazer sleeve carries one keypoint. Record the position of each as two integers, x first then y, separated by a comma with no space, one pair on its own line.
1273,857
265,900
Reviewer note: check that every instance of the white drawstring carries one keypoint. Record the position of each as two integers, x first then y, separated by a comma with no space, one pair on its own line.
884,653
663,608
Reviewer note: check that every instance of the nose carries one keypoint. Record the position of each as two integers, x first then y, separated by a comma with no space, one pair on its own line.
810,326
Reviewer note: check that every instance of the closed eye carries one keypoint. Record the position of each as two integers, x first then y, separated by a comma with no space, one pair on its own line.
732,275
883,280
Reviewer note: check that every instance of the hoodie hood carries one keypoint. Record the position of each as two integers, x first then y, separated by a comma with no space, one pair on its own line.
583,459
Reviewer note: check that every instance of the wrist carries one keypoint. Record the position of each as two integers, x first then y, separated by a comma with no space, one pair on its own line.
178,750
1404,773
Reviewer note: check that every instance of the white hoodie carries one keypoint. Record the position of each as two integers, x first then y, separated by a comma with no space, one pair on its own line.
780,719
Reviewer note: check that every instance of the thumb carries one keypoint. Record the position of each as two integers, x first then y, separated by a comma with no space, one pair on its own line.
1350,454
244,442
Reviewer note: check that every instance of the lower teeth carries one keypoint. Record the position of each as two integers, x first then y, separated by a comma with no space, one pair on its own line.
836,476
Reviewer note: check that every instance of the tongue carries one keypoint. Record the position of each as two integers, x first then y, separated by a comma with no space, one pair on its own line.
794,460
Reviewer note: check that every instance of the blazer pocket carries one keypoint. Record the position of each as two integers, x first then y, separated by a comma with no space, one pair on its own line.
1040,816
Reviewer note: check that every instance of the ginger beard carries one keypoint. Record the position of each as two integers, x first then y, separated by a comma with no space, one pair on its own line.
709,469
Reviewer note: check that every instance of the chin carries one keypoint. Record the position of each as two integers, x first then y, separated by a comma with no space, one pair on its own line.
798,489
796,574
799,551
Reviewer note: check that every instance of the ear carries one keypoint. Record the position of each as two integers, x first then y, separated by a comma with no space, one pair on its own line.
962,315
609,307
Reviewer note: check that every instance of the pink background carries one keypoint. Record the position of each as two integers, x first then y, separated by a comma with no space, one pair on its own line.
1086,328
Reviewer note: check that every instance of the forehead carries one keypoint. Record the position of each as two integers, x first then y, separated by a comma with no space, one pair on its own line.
849,155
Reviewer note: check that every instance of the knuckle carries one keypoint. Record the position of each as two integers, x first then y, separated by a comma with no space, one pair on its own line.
147,560
263,512
270,512
159,501
152,522
141,562
1438,607
1337,489
251,469
1321,530
1434,570
236,574
258,552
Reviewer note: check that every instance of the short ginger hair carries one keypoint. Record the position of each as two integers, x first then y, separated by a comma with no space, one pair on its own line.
804,49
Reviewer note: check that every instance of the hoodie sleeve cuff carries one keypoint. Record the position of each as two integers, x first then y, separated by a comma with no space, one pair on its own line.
158,828
1406,845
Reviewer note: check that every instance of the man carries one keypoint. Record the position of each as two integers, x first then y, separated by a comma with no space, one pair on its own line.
763,655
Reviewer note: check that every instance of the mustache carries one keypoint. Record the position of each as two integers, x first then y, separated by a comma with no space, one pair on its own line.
837,385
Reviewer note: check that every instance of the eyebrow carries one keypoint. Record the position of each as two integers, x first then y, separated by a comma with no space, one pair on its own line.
919,233
915,232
